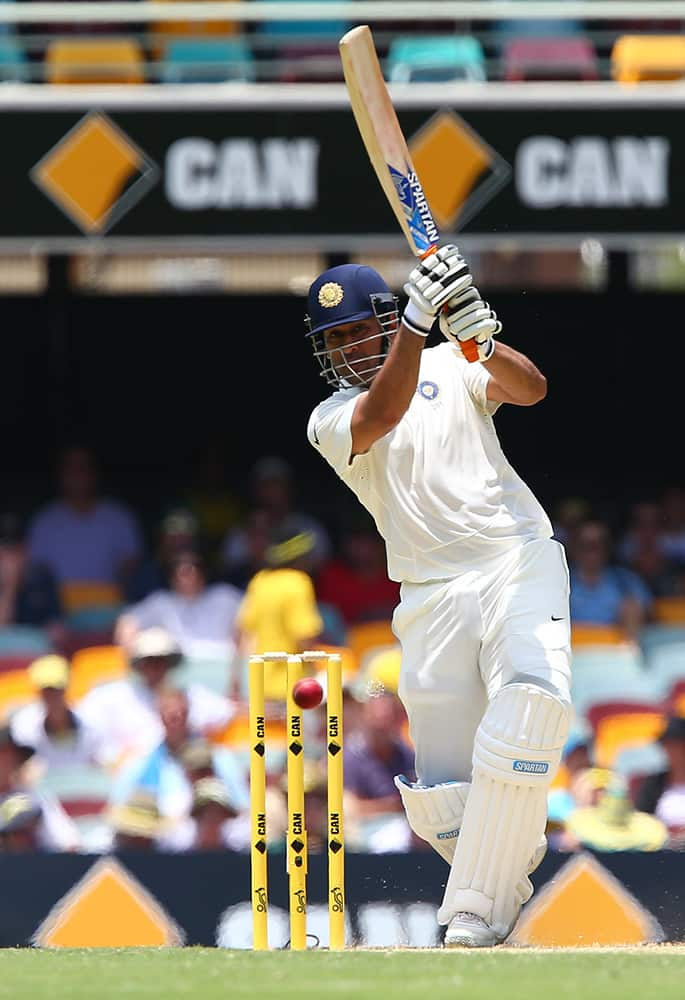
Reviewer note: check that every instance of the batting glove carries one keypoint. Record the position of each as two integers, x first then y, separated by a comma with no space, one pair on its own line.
470,324
438,277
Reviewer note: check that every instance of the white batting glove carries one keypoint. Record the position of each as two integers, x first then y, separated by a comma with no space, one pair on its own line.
470,324
434,281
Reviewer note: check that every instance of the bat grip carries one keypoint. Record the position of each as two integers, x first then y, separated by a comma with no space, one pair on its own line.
469,348
428,252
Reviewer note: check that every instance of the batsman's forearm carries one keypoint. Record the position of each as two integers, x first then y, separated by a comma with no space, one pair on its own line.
393,388
516,374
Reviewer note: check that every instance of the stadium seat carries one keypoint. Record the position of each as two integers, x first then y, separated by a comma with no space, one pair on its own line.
618,726
435,58
565,58
363,637
666,666
634,763
669,610
213,673
655,635
18,661
675,700
635,58
334,627
162,32
16,689
95,665
319,62
295,32
23,639
609,674
106,60
78,595
97,618
207,61
596,635
14,66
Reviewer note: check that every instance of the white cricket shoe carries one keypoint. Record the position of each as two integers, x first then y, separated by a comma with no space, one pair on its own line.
467,930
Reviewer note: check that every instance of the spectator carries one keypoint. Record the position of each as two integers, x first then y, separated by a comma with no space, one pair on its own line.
216,823
271,483
569,515
562,798
373,756
177,532
603,593
214,505
124,713
199,615
135,825
90,544
164,772
611,822
56,832
20,819
28,594
256,535
663,794
673,514
357,582
55,733
279,610
644,550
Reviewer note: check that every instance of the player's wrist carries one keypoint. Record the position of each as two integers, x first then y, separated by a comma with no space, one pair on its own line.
417,320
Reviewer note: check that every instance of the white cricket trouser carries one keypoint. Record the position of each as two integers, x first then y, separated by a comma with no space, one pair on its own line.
462,639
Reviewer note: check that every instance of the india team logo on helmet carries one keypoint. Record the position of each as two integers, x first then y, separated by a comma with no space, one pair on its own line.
330,295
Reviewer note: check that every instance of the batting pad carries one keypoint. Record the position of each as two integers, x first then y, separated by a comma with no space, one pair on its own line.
435,812
516,754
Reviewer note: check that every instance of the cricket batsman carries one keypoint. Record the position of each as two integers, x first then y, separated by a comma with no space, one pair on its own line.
483,619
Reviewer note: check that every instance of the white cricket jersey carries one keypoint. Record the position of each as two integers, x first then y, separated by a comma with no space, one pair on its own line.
438,486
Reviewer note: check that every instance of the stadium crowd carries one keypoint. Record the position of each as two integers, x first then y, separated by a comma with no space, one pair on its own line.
123,654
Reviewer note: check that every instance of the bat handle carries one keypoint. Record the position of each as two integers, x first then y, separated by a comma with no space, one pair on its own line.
469,349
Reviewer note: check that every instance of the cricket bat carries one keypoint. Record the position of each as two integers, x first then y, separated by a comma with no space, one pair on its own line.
384,141
382,136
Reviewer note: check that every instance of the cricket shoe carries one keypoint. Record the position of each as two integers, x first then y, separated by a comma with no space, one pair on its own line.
467,930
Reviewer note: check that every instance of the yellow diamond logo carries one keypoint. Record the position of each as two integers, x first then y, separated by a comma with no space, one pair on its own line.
108,908
584,905
459,171
95,174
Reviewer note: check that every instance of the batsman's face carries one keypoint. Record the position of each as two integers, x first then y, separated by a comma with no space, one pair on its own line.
355,348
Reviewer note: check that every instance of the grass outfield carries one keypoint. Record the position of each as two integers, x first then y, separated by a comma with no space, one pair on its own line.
210,974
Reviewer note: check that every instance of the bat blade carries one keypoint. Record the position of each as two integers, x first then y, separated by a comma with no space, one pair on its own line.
385,144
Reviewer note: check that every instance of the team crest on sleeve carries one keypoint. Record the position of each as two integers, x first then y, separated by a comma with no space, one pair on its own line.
330,295
428,390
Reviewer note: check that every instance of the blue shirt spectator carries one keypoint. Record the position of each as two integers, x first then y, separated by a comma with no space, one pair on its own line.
82,538
603,593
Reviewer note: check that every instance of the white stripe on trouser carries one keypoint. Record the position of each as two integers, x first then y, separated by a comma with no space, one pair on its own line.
516,754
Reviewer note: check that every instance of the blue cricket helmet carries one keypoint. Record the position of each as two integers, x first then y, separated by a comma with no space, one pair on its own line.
344,294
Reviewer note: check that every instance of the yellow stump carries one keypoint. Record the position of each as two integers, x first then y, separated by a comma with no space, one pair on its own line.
297,834
258,851
336,833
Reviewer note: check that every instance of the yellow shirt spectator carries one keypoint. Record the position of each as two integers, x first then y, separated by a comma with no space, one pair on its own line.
279,613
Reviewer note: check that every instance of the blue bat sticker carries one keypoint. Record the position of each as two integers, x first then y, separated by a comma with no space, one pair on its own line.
421,223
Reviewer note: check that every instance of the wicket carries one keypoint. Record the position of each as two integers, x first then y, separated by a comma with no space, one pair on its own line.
297,833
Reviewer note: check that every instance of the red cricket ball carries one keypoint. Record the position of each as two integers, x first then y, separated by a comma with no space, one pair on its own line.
307,693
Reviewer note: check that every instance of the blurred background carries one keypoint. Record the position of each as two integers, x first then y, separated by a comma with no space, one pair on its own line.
174,176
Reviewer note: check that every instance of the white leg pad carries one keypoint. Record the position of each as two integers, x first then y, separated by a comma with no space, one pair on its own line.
434,812
516,754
